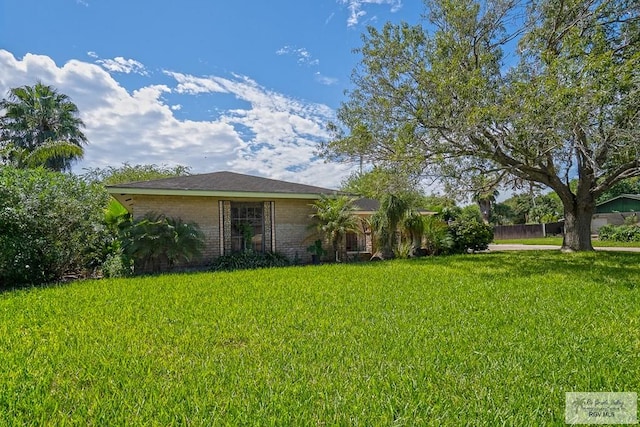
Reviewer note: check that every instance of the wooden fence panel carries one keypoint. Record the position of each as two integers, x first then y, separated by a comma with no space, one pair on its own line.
527,231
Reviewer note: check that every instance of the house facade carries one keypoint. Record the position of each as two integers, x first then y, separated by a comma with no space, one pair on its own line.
235,212
615,211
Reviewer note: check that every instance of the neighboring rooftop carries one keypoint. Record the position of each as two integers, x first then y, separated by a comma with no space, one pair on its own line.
227,182
622,196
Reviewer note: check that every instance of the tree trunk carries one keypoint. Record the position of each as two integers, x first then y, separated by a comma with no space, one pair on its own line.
485,210
577,225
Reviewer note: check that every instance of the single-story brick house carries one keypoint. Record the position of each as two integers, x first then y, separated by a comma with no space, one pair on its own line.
614,211
222,203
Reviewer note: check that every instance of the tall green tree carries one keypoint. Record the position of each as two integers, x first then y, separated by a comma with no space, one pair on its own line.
40,127
378,181
628,186
456,99
334,217
130,173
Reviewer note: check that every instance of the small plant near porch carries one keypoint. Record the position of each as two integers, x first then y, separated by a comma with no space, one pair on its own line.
317,251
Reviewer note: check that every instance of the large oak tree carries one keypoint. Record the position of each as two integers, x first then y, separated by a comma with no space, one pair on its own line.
546,91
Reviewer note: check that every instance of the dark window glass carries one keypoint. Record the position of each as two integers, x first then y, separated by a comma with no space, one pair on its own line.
246,227
352,242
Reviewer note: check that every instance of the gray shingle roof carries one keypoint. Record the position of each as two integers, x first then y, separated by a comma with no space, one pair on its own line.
368,205
225,182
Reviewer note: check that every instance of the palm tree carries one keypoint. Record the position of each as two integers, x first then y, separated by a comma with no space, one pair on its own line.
334,217
40,126
485,193
22,158
387,220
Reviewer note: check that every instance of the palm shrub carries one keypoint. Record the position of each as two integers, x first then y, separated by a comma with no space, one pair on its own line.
156,241
118,221
436,239
413,227
334,217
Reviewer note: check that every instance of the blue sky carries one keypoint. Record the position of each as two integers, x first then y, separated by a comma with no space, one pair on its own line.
214,85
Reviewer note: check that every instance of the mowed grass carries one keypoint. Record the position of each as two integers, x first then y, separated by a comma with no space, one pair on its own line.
488,339
557,241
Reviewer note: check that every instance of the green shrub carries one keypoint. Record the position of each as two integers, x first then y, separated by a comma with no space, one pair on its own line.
470,235
51,224
115,265
619,233
632,219
250,260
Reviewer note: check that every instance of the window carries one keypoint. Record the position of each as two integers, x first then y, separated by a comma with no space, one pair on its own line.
352,242
247,227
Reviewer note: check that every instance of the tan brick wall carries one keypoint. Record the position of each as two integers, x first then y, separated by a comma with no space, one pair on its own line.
292,233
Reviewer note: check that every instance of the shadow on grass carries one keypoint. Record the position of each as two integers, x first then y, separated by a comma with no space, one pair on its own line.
612,268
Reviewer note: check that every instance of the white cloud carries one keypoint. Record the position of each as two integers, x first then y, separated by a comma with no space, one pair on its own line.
356,11
326,21
325,80
274,135
121,65
301,54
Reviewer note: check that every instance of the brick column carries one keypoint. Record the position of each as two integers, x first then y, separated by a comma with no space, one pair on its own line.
224,209
269,235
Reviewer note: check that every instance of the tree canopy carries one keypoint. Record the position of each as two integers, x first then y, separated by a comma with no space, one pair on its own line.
40,127
131,173
456,99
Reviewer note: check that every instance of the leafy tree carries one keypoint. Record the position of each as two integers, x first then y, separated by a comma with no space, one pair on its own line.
132,173
502,214
334,217
529,209
40,127
51,224
627,186
448,103
379,181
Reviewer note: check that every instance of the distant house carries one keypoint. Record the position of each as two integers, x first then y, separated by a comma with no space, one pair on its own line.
226,204
614,211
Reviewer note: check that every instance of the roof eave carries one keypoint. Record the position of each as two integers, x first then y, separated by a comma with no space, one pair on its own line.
213,193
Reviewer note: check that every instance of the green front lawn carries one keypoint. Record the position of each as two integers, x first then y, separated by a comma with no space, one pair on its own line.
489,339
557,241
